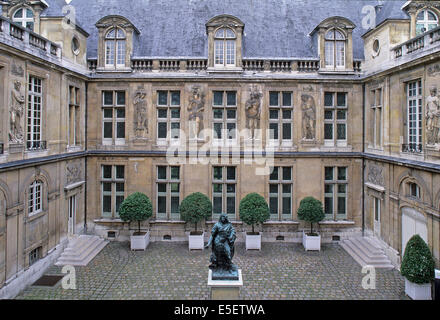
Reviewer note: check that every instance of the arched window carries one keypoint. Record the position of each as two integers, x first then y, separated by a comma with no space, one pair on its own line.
35,199
334,49
426,20
25,17
414,190
224,47
115,48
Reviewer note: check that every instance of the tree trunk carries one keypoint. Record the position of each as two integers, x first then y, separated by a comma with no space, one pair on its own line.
253,231
139,227
195,225
311,228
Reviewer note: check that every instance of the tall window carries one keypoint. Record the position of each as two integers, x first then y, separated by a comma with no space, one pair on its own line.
376,117
224,115
74,116
414,190
377,209
224,47
35,204
168,114
414,114
280,115
224,183
113,189
335,188
426,20
334,49
115,42
35,255
113,113
335,118
35,97
25,17
168,192
280,193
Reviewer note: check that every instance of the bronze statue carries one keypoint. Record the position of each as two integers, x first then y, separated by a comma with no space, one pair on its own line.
222,241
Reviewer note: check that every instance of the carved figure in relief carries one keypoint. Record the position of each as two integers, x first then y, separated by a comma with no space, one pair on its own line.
141,121
253,111
308,117
433,117
15,114
196,109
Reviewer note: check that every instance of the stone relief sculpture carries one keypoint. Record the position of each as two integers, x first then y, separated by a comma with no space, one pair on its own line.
433,117
196,109
141,118
15,114
222,241
308,117
73,173
253,111
375,175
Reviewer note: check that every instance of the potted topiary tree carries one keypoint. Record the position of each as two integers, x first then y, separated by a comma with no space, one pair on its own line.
194,208
137,207
418,269
310,209
253,210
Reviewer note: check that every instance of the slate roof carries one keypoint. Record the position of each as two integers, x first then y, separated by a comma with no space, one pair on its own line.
176,28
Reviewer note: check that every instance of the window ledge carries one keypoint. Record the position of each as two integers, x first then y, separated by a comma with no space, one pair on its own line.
270,222
342,71
224,70
337,222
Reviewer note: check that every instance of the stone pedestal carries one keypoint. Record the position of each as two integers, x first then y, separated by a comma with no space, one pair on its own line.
225,289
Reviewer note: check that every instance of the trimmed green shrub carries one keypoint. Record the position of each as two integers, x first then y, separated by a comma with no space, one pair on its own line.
418,264
310,210
254,210
195,207
136,207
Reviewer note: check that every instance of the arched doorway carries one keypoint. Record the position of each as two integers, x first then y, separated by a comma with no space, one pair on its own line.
413,222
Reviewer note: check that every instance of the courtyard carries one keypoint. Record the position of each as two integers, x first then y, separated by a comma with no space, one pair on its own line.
168,271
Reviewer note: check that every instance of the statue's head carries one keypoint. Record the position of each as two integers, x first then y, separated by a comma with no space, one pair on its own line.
17,85
223,218
433,91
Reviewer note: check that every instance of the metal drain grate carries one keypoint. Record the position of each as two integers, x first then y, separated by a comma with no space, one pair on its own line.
48,280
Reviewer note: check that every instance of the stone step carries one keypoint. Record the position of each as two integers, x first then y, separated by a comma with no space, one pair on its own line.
365,253
81,251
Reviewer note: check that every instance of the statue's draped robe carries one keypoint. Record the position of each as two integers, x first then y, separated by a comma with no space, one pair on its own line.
223,236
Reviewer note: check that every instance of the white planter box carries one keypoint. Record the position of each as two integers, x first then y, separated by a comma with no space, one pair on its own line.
311,242
253,242
196,242
140,242
418,291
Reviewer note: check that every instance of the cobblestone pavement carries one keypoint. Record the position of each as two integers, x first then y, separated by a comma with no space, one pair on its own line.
170,271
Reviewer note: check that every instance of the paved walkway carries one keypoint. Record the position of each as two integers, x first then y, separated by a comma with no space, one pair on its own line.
167,270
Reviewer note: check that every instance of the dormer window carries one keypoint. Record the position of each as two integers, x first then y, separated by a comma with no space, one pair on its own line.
25,17
426,20
224,42
115,43
334,49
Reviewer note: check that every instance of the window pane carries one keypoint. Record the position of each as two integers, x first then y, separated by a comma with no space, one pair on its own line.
174,204
274,114
162,172
328,99
162,98
341,131
230,173
107,172
287,188
341,205
287,173
287,114
107,187
274,174
287,131
218,113
328,115
175,98
175,113
329,173
108,130
120,113
342,99
342,173
230,205
287,99
108,113
175,173
120,98
273,98
161,204
217,205
119,172
231,98
273,188
341,114
217,188
162,113
120,187
231,114
217,173
108,98
218,130
162,130
119,200
273,127
328,131
273,205
287,204
107,204
218,98
175,187
120,130
161,187
231,130
328,205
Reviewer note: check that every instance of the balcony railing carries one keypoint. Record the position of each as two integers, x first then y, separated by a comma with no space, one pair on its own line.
418,44
412,148
308,65
36,145
14,32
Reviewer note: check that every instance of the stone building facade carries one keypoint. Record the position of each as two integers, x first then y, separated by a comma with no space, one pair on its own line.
340,101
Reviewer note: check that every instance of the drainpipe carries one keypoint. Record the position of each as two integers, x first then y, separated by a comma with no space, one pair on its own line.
85,158
363,159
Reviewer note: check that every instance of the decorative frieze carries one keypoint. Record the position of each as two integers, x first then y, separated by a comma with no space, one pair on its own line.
73,172
375,175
